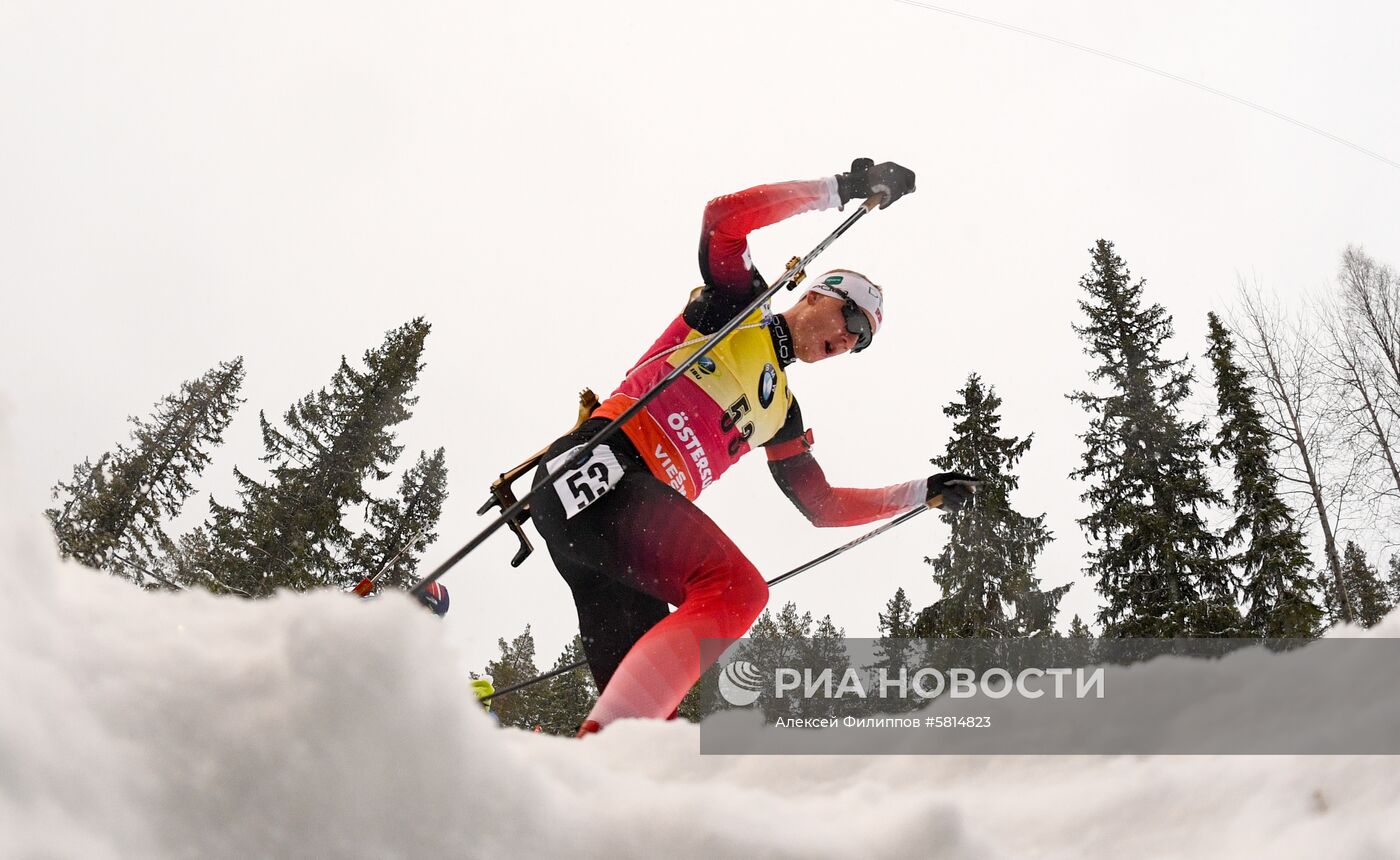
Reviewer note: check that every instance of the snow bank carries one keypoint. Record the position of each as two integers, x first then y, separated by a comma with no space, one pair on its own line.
153,725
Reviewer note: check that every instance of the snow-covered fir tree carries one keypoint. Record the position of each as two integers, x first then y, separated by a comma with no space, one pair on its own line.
523,709
1078,629
987,567
1272,561
897,621
896,648
1370,601
287,531
111,514
399,529
789,640
566,699
1153,557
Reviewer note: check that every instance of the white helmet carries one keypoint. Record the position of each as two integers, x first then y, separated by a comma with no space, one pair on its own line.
857,288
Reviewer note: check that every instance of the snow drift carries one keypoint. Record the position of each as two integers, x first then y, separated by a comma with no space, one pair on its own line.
158,725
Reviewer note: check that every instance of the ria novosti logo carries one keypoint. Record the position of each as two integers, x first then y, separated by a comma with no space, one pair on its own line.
740,683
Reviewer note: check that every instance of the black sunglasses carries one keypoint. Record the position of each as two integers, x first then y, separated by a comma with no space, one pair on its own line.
857,323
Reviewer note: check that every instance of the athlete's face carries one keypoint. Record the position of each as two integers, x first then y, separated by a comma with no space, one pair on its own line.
819,328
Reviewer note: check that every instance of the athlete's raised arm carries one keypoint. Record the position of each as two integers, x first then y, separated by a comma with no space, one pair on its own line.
724,245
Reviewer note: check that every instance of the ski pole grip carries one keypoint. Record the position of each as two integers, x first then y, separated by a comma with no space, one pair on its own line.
875,199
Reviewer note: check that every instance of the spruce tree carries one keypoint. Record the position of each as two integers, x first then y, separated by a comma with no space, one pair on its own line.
1273,563
77,522
287,531
1078,629
897,621
775,641
399,529
986,568
112,513
825,650
788,640
566,699
1078,647
523,709
1369,600
1155,561
896,625
896,650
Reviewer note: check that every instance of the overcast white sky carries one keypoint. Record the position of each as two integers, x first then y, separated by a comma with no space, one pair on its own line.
182,183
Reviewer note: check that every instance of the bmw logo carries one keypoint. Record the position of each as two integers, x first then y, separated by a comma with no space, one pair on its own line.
706,364
767,385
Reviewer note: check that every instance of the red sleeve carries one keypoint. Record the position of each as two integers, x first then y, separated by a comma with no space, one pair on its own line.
801,478
724,244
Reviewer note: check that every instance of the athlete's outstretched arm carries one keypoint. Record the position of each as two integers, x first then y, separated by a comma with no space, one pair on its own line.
724,245
801,478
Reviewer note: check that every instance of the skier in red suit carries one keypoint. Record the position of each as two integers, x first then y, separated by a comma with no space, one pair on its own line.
622,527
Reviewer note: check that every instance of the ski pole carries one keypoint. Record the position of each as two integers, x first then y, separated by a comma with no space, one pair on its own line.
562,670
828,556
793,274
902,518
366,584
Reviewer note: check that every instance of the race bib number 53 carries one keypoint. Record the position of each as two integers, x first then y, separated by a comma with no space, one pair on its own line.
583,485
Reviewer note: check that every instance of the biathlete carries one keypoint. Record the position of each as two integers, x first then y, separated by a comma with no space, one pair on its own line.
623,528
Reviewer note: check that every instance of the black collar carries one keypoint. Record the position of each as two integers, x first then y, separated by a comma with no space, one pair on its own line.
782,340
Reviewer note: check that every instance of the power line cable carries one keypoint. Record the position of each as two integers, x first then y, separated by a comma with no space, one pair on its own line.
1156,71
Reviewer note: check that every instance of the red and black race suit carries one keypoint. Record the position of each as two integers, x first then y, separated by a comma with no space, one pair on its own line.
642,544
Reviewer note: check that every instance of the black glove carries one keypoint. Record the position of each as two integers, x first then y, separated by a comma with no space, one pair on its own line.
954,488
866,178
